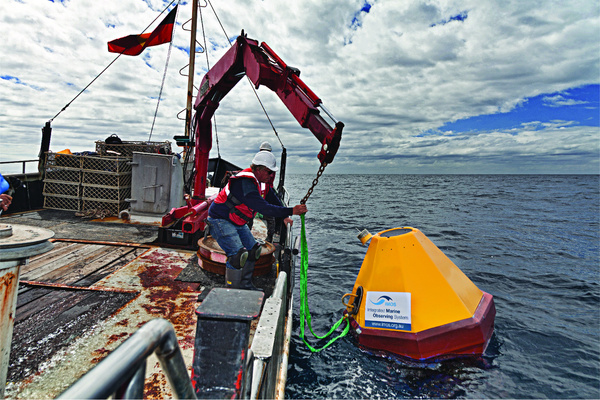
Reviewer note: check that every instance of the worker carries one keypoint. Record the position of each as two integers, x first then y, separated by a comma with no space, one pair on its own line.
270,221
5,199
265,146
235,205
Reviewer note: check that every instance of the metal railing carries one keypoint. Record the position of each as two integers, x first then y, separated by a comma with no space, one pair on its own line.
268,344
23,162
122,373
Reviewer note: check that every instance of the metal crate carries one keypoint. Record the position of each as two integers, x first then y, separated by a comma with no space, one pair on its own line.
120,179
106,164
86,182
57,160
59,174
62,202
59,188
126,149
106,193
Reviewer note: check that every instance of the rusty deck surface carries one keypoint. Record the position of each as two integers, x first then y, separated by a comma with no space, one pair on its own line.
100,283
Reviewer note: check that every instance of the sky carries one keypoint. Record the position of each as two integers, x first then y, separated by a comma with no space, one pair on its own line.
434,87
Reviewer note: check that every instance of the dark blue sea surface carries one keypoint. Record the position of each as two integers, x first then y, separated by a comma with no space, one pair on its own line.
532,241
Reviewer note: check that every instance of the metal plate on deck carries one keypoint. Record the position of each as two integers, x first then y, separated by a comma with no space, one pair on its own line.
22,235
231,304
22,241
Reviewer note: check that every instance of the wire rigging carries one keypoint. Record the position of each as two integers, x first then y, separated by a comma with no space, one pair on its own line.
250,82
162,84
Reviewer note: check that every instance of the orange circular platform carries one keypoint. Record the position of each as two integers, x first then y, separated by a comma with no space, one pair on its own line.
212,258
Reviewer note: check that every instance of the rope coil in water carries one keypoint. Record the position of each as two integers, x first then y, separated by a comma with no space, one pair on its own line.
304,311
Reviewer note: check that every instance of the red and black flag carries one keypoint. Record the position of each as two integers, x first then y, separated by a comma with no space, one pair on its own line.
133,45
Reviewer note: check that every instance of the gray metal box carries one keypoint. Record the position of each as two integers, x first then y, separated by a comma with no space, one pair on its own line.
156,183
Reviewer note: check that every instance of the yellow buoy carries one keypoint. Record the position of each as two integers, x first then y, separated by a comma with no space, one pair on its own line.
411,299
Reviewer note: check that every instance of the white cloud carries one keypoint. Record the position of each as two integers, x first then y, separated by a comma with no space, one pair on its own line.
559,101
402,69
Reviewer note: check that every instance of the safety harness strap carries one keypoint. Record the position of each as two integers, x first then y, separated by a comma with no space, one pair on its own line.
231,203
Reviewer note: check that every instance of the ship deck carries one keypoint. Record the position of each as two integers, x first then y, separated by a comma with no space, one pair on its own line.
100,283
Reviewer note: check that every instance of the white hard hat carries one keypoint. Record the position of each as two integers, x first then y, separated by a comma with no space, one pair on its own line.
266,159
265,146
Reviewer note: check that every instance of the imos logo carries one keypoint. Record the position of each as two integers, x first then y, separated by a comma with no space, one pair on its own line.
385,300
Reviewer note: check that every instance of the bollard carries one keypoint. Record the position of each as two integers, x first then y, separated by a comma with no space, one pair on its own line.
17,244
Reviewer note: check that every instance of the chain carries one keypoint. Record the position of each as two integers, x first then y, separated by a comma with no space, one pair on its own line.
314,183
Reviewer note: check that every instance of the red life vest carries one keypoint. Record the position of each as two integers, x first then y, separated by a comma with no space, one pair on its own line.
239,213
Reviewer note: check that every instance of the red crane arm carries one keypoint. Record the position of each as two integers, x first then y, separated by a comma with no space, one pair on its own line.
263,67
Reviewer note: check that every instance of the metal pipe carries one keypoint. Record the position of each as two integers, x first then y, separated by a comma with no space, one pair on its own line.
170,357
296,247
282,165
22,162
280,389
322,107
258,372
118,367
198,208
134,389
18,161
45,146
248,376
9,285
17,244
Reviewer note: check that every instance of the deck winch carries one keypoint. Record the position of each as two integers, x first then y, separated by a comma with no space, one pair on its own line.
411,300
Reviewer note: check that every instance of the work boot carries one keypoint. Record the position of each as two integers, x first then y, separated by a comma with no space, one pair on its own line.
233,278
239,259
247,272
255,252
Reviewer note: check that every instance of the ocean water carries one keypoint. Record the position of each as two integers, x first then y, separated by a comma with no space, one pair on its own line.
532,241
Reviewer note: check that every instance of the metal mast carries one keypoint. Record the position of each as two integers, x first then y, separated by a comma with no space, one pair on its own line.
190,88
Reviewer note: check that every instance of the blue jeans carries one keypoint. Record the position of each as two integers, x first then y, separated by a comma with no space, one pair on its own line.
231,237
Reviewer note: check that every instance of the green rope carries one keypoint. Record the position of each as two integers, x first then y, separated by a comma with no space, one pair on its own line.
304,311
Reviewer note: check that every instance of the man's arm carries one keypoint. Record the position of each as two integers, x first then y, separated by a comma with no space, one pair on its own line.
273,198
246,191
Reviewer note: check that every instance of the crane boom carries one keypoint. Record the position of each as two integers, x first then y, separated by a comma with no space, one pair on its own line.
263,67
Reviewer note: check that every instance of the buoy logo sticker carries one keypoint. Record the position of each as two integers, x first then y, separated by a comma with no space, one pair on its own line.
386,300
388,310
